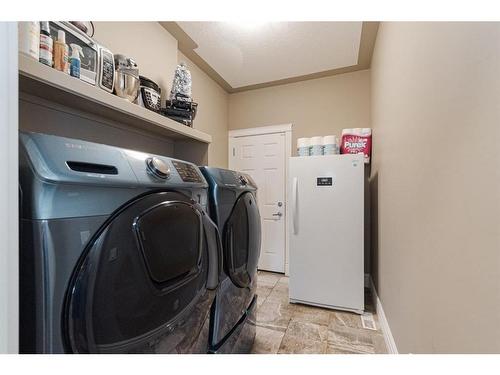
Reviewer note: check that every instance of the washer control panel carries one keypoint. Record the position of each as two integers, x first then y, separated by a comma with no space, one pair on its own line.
158,168
188,172
243,180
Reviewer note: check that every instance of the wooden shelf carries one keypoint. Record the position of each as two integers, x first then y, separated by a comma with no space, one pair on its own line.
42,81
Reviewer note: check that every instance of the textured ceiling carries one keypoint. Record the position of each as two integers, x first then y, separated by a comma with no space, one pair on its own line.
256,53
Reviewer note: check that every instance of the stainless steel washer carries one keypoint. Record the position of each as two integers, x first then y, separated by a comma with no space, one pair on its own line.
117,253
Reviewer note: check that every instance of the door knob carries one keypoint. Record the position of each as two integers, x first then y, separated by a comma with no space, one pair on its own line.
279,214
280,204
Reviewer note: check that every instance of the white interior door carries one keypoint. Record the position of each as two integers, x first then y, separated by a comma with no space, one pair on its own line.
263,158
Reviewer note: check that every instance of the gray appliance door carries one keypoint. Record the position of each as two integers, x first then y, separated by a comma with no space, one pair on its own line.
241,243
242,239
144,283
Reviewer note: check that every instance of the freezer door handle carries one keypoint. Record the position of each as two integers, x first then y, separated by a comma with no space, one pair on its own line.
294,205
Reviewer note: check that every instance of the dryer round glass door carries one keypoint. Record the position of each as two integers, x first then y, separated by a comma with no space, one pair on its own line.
242,238
141,284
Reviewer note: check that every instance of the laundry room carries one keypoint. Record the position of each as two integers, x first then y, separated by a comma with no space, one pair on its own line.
249,186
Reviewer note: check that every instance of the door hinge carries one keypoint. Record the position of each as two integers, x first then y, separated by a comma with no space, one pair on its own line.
234,151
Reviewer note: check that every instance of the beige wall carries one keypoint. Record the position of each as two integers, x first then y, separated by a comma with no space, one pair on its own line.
435,184
9,193
320,106
155,51
212,112
316,107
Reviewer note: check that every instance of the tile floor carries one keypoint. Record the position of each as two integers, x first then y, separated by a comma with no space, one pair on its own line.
293,328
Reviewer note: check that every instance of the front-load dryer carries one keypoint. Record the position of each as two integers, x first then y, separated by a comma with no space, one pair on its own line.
117,254
233,207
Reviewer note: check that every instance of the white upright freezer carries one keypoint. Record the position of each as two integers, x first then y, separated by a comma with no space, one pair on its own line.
327,231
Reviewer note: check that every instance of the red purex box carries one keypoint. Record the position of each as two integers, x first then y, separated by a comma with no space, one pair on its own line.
357,141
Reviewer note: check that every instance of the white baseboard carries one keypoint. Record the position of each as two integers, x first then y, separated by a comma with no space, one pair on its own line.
382,319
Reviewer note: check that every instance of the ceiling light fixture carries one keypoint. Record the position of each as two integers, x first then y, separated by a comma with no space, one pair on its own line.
248,24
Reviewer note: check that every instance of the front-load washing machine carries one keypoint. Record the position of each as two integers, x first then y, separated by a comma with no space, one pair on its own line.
117,254
233,207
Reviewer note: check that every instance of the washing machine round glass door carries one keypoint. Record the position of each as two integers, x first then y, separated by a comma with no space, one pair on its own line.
142,284
242,238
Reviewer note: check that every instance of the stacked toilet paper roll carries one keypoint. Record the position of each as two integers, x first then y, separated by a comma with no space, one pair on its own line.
330,145
303,146
316,146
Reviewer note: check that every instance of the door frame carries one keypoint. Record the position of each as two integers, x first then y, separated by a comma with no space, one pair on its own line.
262,130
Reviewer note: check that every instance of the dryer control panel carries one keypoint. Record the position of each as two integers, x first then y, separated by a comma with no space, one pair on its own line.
236,179
188,172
